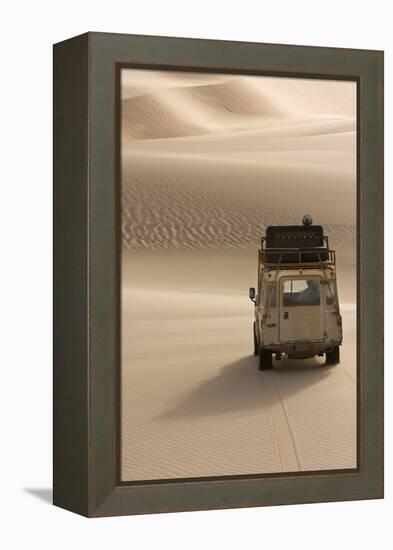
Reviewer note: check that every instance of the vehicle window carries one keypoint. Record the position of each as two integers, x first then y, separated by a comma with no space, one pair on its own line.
301,292
330,293
271,295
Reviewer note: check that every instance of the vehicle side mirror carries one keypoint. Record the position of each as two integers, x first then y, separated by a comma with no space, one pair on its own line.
251,294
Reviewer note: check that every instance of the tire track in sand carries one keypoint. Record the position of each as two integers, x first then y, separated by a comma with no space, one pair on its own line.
286,446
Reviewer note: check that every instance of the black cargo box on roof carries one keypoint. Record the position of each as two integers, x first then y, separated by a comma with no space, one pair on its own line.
294,236
306,241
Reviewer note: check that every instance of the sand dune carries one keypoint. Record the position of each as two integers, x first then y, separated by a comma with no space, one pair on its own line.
174,108
197,110
262,138
208,161
206,190
300,96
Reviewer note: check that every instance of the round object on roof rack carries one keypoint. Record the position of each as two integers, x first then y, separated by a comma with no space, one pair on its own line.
307,219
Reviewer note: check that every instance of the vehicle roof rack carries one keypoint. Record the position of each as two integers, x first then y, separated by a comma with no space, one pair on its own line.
296,246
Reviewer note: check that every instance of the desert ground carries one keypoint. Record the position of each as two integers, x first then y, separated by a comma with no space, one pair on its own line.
208,161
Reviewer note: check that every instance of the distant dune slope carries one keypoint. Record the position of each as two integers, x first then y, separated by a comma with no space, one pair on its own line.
172,105
210,160
197,110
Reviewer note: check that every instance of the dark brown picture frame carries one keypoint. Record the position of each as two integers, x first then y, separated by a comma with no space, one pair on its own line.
86,274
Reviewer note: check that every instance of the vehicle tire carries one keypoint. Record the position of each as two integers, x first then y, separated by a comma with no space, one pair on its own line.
265,360
256,346
333,357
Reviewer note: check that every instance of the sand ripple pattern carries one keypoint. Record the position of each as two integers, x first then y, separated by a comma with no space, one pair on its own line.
174,215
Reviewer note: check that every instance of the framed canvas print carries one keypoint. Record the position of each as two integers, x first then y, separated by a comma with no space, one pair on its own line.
218,274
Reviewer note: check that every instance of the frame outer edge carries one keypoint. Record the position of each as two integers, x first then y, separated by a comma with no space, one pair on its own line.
70,271
374,284
107,49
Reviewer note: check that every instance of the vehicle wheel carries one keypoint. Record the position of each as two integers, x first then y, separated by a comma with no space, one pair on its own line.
256,346
265,361
333,357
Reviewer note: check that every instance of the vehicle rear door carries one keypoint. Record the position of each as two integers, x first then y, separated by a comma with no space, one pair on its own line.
301,309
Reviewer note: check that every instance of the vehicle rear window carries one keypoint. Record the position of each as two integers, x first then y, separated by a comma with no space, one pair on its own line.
301,292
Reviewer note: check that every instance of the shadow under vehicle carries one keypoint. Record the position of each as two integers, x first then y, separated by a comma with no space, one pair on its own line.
297,312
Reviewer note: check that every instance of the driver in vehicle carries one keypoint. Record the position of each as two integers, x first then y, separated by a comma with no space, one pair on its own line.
310,294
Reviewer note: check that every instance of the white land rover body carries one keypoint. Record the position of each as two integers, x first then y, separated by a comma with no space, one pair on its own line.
297,312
